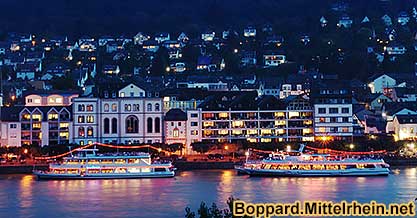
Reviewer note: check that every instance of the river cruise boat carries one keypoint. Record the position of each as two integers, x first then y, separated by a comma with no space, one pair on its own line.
86,164
296,163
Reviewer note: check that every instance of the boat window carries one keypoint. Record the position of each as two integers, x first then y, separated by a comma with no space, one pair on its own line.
160,169
370,166
350,166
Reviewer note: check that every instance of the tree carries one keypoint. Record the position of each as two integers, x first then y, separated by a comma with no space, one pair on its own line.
161,62
202,147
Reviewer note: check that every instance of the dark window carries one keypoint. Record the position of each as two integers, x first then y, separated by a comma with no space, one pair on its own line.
333,119
114,125
106,126
81,107
322,110
157,125
345,110
345,119
194,115
194,124
149,125
333,110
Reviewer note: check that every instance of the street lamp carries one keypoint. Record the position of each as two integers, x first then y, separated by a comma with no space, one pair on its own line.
288,148
351,146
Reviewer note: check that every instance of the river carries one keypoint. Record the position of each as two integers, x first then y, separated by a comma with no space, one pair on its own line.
24,196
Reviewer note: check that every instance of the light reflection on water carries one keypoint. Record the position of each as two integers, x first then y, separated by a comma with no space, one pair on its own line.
23,196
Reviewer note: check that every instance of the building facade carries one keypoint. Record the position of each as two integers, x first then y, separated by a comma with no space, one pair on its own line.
130,117
333,111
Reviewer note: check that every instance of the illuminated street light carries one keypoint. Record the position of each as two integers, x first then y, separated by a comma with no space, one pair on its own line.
226,147
159,149
411,146
351,146
288,148
25,151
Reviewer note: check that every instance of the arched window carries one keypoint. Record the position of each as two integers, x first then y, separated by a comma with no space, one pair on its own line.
149,125
81,107
90,107
149,107
114,125
132,124
156,107
114,107
106,126
90,131
106,107
81,131
157,125
176,133
128,107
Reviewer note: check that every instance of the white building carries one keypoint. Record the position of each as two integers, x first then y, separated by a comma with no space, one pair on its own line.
175,127
333,111
405,127
381,82
130,117
274,59
249,32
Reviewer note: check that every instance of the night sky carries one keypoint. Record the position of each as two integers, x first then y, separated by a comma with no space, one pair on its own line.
94,17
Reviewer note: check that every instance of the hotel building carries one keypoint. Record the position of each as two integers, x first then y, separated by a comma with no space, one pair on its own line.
240,116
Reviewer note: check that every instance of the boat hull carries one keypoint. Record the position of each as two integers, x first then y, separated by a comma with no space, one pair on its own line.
317,173
49,176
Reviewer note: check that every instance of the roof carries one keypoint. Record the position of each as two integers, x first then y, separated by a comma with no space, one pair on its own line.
391,108
11,114
175,115
407,119
244,101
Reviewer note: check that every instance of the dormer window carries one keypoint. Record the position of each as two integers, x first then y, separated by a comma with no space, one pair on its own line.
113,95
106,94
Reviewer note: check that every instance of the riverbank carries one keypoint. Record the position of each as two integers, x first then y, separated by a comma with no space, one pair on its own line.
21,168
180,165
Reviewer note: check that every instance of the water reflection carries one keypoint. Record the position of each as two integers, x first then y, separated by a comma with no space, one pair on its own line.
22,196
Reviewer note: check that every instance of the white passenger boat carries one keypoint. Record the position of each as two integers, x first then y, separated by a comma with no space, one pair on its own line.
86,164
296,163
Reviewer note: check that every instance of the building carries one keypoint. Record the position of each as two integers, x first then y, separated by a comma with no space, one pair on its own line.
405,127
129,115
274,59
378,84
243,116
50,98
44,125
333,110
175,127
249,32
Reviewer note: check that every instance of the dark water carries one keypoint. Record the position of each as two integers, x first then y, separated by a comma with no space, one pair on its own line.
23,196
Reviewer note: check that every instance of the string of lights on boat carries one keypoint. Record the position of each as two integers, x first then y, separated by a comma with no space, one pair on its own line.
332,151
103,145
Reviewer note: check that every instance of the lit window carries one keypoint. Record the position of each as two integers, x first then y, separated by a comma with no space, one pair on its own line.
114,107
90,119
81,119
90,132
90,107
176,133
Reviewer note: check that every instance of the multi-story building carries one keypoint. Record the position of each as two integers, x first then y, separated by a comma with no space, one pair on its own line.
239,116
129,115
332,110
48,125
175,127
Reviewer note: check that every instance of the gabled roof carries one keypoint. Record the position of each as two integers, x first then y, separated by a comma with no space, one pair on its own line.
407,119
